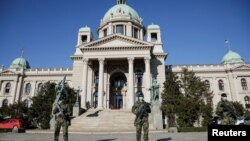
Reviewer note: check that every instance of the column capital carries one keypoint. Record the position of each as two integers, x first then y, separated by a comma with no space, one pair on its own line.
147,59
85,60
101,60
131,60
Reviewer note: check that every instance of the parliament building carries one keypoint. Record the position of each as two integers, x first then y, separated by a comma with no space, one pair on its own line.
112,69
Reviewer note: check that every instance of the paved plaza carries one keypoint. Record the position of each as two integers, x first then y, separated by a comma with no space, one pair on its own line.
102,136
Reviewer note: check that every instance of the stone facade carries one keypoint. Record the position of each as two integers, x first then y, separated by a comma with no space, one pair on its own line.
18,84
235,80
112,69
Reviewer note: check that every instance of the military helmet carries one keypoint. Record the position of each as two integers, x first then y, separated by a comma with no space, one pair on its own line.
223,95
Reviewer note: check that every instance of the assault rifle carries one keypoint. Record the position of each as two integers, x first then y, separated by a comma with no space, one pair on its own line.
142,111
229,109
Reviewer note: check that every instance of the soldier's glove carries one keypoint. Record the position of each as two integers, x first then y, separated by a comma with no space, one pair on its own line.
59,114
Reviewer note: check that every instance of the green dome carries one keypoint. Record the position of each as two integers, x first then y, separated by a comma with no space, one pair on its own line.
20,63
85,29
232,58
153,26
121,10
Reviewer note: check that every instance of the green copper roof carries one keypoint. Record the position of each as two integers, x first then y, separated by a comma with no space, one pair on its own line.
85,29
153,26
20,63
121,10
232,58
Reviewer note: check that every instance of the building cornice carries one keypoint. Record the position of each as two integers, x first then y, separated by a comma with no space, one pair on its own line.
112,37
76,57
118,48
160,55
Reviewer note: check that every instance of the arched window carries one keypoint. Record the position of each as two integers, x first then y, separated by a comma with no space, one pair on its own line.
221,85
39,88
7,88
207,84
247,102
28,88
138,76
5,103
244,84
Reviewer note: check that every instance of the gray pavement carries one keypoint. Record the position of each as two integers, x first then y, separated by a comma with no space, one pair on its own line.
103,136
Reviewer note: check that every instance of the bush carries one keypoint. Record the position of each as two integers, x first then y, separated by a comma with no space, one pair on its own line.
192,129
5,130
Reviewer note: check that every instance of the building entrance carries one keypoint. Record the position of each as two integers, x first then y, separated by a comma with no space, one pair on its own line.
117,92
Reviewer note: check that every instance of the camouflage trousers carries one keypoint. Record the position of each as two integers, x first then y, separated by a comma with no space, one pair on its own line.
228,121
60,122
145,125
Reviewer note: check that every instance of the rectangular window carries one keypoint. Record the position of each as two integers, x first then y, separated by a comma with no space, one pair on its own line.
247,106
84,38
135,33
105,32
113,29
153,37
120,29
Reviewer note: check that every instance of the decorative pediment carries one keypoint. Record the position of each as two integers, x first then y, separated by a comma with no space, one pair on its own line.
8,72
241,67
116,40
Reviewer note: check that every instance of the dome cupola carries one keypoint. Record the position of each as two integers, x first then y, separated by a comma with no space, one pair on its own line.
232,58
20,62
121,10
121,19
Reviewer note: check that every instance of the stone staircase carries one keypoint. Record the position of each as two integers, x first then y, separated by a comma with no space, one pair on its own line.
103,120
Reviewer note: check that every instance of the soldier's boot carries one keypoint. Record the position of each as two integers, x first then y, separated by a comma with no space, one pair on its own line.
65,138
138,137
65,133
56,138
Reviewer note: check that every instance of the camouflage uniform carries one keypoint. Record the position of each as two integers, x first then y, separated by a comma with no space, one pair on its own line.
141,122
226,111
61,120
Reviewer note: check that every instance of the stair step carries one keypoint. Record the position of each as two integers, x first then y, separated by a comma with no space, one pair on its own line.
104,120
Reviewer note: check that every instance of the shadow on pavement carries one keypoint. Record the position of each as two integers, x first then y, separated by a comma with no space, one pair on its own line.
96,114
107,140
165,139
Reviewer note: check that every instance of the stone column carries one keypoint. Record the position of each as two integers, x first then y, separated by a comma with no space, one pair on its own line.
84,83
141,34
100,84
131,83
1,87
129,29
148,79
15,90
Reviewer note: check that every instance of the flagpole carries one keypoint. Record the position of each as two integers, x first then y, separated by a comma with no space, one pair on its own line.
227,42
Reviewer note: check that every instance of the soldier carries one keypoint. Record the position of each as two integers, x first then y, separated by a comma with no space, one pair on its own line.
226,111
141,109
62,113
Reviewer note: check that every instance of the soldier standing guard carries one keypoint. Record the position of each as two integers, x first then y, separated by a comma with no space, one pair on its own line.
61,111
141,109
226,111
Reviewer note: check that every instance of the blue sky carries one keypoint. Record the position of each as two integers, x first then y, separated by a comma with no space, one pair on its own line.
193,31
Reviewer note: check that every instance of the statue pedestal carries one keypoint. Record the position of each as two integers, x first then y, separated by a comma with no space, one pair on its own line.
76,110
157,115
52,123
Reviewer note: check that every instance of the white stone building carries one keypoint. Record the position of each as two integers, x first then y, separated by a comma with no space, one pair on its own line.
121,62
230,77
